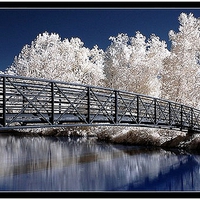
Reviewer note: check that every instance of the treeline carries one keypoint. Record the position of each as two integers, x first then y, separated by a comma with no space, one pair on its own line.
136,64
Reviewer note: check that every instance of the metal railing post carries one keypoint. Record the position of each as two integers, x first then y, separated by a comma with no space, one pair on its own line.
138,111
52,103
23,98
116,107
4,101
155,120
170,113
88,105
181,117
59,103
191,118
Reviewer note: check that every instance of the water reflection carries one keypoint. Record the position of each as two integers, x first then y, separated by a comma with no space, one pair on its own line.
81,164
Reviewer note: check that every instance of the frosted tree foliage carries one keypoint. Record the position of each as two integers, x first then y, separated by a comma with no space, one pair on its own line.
68,60
156,53
180,77
134,63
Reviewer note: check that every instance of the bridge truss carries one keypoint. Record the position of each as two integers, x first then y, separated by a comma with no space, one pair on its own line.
33,103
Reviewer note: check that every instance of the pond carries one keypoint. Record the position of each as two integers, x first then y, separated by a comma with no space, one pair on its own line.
85,164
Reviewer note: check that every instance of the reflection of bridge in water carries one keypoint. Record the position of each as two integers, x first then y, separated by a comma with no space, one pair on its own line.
33,103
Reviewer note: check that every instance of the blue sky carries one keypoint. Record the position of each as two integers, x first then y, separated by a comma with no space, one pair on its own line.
94,26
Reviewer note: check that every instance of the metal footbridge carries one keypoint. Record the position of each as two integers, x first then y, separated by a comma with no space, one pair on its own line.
39,103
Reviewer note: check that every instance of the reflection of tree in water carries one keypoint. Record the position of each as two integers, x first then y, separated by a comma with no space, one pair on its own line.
49,163
181,178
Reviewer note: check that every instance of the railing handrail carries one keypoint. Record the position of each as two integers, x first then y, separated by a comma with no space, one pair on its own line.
92,86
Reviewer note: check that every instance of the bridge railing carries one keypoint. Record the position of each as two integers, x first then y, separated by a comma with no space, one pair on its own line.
30,102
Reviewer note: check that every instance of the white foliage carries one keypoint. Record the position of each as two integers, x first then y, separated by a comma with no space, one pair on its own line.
134,64
51,58
181,68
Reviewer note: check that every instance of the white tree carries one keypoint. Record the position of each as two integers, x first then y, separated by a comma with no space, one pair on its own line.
38,59
157,52
68,60
116,62
134,64
181,68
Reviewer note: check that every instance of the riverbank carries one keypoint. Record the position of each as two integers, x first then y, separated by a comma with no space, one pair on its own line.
153,137
121,135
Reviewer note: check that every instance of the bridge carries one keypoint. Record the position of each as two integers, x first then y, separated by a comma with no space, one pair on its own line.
39,103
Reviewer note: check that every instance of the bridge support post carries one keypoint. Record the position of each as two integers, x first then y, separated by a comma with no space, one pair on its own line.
4,101
191,118
59,103
116,107
155,117
23,100
88,105
138,110
169,113
181,118
52,103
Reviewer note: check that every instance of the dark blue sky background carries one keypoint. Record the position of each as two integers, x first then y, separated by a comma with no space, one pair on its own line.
20,26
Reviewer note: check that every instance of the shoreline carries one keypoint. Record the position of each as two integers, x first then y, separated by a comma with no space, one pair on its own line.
165,139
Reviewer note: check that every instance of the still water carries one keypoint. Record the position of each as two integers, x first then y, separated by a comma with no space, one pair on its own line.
84,164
